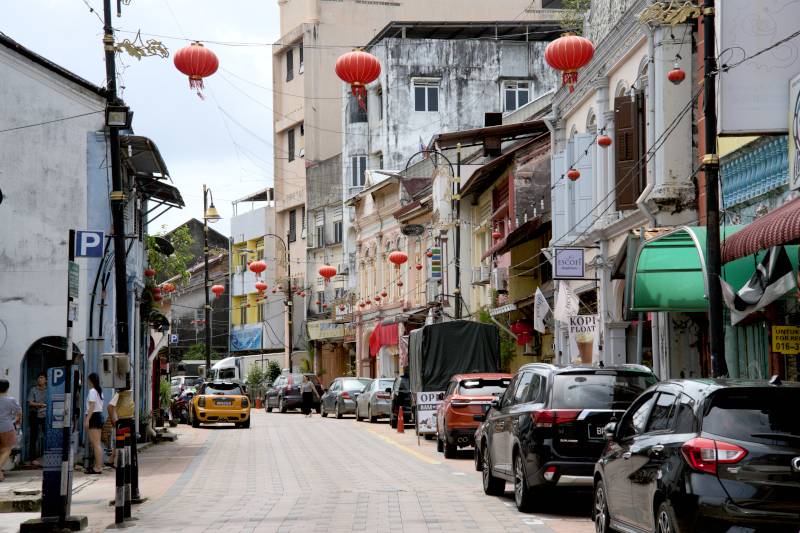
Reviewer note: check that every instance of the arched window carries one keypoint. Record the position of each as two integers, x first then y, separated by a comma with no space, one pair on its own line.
591,122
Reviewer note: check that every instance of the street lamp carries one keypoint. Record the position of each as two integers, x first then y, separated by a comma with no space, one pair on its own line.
210,214
118,115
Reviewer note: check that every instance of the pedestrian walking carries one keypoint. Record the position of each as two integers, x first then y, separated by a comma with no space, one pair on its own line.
10,415
93,421
310,394
119,408
37,415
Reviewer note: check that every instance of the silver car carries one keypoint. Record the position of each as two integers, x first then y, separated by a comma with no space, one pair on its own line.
340,398
375,401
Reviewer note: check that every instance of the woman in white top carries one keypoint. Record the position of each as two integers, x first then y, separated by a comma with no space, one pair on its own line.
94,421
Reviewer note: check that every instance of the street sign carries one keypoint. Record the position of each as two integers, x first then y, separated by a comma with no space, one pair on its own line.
89,243
413,230
786,340
73,279
569,263
173,338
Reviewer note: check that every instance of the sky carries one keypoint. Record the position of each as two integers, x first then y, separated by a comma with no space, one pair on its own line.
225,140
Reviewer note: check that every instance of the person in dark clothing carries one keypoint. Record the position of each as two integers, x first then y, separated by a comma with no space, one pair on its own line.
309,392
37,415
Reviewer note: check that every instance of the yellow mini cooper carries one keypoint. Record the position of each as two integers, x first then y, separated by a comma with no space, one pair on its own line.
220,401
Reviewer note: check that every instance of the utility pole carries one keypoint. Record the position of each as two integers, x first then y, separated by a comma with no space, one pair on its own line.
711,169
207,308
289,303
117,194
457,197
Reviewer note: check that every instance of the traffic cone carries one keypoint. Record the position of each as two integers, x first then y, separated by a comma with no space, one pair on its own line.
258,403
401,425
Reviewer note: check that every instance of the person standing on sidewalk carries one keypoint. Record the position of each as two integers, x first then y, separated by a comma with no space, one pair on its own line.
93,422
119,408
309,392
10,415
37,415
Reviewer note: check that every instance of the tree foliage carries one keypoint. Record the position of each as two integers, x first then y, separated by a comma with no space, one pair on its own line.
198,351
273,371
508,347
573,15
176,264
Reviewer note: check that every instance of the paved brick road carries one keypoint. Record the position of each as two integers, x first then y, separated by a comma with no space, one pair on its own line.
292,474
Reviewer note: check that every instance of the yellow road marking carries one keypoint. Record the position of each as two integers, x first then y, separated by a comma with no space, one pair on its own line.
403,447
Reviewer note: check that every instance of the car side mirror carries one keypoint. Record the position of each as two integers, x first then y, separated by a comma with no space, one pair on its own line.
389,390
440,396
496,403
479,418
610,431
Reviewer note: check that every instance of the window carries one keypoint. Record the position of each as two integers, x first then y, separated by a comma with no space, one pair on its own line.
302,129
426,95
292,225
300,56
303,218
261,312
508,396
482,387
358,165
290,141
629,142
763,415
242,313
337,232
516,94
633,422
289,64
662,417
379,157
222,388
379,95
523,387
599,390
358,110
320,300
320,236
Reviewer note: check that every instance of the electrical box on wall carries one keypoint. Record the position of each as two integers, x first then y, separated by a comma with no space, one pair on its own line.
114,370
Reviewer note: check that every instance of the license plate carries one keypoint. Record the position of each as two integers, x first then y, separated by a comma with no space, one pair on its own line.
223,402
596,432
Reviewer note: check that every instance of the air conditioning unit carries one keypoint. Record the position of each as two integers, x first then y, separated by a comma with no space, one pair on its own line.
486,272
476,275
500,279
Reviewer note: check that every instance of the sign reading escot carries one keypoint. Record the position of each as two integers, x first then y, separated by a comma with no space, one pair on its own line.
569,263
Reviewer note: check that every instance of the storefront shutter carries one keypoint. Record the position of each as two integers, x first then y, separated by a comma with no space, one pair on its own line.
560,196
584,186
629,134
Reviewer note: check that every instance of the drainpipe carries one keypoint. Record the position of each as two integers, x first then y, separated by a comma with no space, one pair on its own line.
501,326
641,202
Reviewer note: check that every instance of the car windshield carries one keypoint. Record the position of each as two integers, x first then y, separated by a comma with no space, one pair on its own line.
599,390
355,384
760,415
384,384
222,388
483,387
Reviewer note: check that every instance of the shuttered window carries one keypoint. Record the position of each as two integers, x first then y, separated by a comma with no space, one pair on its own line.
629,132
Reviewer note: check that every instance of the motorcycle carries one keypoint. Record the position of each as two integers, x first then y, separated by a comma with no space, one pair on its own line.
180,405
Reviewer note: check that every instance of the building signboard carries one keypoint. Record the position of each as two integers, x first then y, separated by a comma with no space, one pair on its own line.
569,263
427,403
246,337
786,340
328,329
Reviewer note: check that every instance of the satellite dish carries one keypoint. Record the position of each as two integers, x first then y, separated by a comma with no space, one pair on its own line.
164,246
413,230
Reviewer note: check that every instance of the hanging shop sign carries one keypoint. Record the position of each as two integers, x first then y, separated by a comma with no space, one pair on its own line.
569,263
583,338
436,262
786,340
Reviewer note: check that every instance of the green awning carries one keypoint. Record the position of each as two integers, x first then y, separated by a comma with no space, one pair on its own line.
670,271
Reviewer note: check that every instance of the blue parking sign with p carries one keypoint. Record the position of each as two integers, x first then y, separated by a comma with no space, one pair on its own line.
89,243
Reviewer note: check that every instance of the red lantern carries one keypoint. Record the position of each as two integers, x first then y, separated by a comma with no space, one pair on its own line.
327,272
573,174
273,290
523,329
218,290
383,293
197,62
398,258
341,308
368,301
157,296
317,302
149,272
324,306
168,287
604,141
429,253
302,294
258,267
568,53
418,266
676,75
399,283
156,290
261,286
358,68
496,235
377,299
362,305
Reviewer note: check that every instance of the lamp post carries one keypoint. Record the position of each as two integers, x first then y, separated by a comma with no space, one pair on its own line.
287,294
210,214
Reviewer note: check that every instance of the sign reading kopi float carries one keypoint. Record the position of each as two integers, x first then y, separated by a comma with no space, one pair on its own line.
427,403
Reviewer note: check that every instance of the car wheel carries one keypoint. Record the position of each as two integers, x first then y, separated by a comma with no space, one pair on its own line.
322,412
666,521
267,408
358,414
476,456
492,486
450,449
193,419
372,419
339,413
281,406
600,513
523,496
245,424
439,444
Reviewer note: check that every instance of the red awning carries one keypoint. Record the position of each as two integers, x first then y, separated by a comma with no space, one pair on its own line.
782,226
383,335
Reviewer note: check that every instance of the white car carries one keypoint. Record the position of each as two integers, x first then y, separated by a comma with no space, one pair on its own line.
178,383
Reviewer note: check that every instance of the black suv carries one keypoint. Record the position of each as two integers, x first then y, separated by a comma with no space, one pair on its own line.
401,397
548,427
703,456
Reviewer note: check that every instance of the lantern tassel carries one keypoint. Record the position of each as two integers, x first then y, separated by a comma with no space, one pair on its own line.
360,92
570,78
197,85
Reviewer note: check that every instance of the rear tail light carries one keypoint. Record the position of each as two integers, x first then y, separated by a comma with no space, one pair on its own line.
553,417
382,395
549,473
201,402
287,388
704,455
245,403
346,395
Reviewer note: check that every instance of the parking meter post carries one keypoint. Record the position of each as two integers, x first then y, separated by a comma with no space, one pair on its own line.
119,463
134,460
127,470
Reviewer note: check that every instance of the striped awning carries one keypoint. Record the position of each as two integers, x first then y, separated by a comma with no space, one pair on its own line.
781,226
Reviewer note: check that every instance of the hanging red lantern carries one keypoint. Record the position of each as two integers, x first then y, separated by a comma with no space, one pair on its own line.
280,288
399,283
302,294
273,290
676,75
341,308
168,287
377,299
383,294
258,267
603,141
358,68
157,296
429,253
569,53
523,330
573,174
324,306
362,304
317,302
327,272
197,62
155,290
218,290
261,286
368,301
149,272
398,258
496,235
418,266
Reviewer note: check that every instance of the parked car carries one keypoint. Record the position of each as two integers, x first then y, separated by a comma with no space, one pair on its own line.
466,396
548,428
340,398
284,393
401,398
178,383
703,456
220,401
375,401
